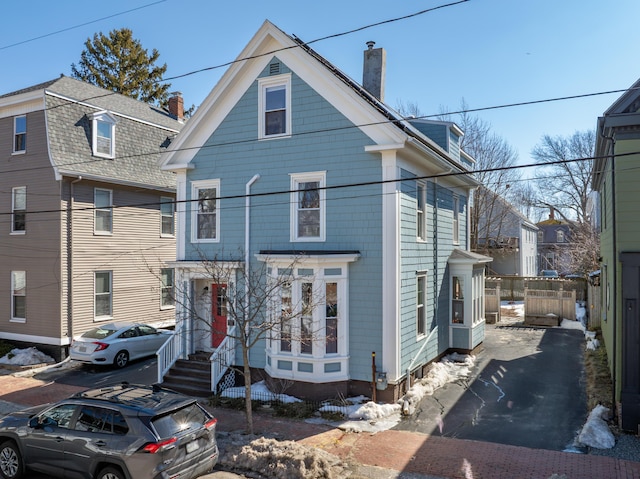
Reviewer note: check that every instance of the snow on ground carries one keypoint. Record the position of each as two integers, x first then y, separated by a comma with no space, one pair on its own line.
25,357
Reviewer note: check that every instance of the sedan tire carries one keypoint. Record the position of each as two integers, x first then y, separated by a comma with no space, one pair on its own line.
121,359
10,461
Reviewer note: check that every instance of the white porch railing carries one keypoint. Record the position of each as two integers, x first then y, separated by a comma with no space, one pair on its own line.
168,354
222,358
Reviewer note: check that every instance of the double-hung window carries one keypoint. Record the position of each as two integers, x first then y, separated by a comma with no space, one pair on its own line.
456,220
104,134
20,134
421,204
421,309
103,212
457,300
308,206
167,216
167,298
205,216
274,105
18,209
18,296
103,299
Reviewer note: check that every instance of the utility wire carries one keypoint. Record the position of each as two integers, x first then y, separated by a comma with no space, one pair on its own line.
341,186
80,25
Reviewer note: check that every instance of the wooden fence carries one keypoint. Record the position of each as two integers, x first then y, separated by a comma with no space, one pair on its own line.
537,302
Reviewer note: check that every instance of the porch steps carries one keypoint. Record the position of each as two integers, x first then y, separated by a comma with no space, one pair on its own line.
190,376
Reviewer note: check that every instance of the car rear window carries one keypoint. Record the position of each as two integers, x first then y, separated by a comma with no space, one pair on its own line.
100,332
184,419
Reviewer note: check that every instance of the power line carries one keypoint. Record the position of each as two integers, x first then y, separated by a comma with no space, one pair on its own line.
80,25
341,186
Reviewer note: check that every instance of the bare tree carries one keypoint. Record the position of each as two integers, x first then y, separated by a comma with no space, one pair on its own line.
494,168
258,306
565,173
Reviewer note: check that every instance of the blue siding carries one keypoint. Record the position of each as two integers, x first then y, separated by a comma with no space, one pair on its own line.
353,215
436,131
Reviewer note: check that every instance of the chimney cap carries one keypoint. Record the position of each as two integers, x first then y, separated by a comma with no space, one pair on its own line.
370,44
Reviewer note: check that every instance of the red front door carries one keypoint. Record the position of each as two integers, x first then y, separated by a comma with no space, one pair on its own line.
218,314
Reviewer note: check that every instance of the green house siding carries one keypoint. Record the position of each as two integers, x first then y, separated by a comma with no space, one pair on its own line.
627,236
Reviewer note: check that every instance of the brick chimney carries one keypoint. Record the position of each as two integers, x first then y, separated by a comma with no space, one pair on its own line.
373,73
552,213
176,105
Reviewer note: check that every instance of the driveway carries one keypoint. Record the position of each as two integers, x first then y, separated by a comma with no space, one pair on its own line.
526,389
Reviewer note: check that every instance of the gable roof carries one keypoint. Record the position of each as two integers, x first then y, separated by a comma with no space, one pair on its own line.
382,124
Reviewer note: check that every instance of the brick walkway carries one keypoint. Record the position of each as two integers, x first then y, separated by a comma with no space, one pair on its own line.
397,450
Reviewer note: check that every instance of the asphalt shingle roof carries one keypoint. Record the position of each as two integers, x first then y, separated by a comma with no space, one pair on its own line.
142,133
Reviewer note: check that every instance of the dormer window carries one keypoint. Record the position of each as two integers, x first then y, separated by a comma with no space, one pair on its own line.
559,236
274,106
104,134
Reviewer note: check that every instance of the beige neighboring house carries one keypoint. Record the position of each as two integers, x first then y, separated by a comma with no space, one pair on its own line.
87,221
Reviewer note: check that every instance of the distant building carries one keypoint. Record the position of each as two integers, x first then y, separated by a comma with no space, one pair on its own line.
554,242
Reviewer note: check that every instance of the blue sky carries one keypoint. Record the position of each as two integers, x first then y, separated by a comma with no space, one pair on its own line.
489,52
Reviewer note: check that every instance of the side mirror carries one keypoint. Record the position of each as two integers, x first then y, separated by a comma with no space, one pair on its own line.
34,423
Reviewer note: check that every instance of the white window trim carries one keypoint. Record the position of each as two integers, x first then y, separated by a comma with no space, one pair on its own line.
455,220
110,316
13,210
199,185
268,82
165,200
421,214
106,117
173,287
319,356
421,307
96,209
296,179
13,147
15,319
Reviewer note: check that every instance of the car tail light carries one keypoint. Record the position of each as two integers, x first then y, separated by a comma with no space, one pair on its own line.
100,346
154,447
211,423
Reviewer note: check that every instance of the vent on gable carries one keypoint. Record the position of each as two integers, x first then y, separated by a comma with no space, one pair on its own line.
274,68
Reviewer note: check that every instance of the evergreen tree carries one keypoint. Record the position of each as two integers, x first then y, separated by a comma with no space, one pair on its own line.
118,62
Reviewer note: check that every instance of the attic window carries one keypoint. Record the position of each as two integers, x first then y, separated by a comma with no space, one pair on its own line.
103,134
274,106
274,68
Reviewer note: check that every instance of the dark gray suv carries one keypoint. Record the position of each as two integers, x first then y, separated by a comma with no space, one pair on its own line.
119,432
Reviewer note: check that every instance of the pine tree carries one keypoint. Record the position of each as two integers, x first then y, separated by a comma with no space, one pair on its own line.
118,62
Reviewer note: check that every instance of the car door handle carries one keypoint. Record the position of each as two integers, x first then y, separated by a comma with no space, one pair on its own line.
100,443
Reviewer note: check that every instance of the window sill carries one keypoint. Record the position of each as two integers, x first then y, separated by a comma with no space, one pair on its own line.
18,233
167,308
18,320
102,233
21,152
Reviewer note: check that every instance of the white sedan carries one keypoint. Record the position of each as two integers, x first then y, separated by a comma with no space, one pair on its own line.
117,343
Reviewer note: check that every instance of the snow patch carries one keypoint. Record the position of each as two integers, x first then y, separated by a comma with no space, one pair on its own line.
25,357
596,433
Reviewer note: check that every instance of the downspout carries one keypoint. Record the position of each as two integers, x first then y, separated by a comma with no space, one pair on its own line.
247,256
70,258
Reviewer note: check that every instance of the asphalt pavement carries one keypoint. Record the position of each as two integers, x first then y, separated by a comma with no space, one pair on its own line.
526,389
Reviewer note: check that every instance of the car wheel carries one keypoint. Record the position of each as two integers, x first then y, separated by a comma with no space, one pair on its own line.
110,473
121,359
10,460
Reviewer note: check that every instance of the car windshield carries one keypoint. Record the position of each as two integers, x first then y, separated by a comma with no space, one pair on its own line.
189,417
100,332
